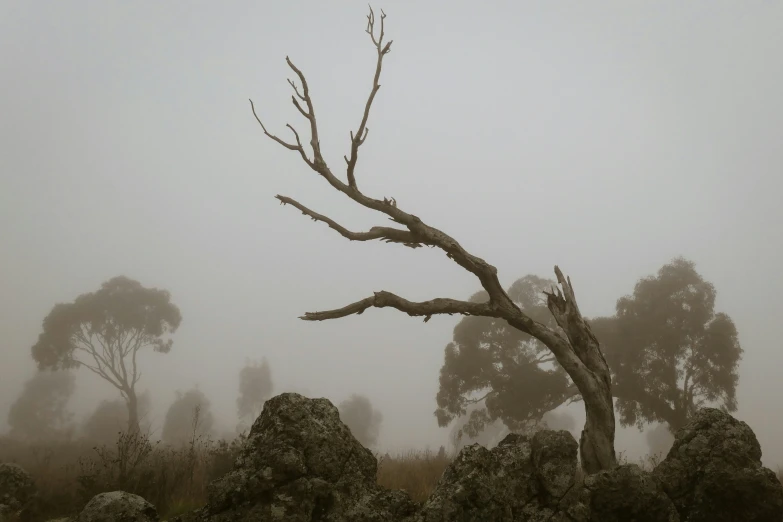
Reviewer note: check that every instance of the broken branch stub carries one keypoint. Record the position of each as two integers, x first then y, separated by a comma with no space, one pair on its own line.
577,352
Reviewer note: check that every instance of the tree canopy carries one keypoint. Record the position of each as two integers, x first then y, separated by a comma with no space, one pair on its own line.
40,412
255,387
104,331
364,422
509,372
110,418
667,349
188,416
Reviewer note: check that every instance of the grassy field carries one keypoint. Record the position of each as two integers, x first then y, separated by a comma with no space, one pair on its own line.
175,480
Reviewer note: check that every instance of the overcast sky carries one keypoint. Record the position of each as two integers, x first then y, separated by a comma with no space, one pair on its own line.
605,137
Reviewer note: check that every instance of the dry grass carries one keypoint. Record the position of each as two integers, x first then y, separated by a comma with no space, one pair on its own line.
175,480
416,472
68,474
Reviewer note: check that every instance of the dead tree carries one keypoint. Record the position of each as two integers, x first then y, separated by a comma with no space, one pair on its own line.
573,344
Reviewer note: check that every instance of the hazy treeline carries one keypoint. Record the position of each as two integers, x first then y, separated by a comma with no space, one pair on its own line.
669,350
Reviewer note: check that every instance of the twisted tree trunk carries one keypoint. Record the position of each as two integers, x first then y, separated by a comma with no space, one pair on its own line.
573,344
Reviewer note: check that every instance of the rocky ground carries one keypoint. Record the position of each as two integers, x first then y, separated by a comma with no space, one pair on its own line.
301,464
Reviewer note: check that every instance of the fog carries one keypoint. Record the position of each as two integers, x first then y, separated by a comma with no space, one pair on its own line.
605,137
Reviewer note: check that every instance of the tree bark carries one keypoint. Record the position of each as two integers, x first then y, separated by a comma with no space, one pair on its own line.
596,445
579,353
133,411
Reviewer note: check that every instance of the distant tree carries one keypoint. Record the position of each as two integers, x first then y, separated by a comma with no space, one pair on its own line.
494,432
111,417
668,350
104,331
255,387
40,412
364,422
510,374
187,416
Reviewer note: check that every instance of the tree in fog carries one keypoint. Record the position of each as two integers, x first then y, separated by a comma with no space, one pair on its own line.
669,351
492,432
572,344
509,374
110,418
188,416
364,422
104,331
255,387
40,412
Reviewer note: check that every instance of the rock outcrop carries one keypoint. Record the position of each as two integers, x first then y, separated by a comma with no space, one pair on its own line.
17,488
522,478
626,493
301,464
713,472
117,506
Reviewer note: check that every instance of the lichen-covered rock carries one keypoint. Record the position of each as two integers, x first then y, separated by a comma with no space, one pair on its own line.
713,472
523,478
117,506
301,463
626,493
16,486
554,459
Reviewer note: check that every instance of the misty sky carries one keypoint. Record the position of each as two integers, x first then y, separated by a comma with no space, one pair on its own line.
606,137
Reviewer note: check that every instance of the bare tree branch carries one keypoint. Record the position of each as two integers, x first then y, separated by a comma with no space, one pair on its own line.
358,138
315,143
385,299
387,234
576,349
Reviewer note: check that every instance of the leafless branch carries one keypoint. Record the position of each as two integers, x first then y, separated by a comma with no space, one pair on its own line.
387,234
426,309
575,348
296,90
499,305
358,138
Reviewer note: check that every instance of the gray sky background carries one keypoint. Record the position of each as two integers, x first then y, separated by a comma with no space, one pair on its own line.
606,137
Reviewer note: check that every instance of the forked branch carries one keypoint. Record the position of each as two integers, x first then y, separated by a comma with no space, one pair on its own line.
358,138
387,234
420,232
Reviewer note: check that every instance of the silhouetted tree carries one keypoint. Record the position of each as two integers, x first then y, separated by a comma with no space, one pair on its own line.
364,422
255,387
574,346
104,331
492,432
664,336
40,412
187,416
110,418
511,374
669,352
